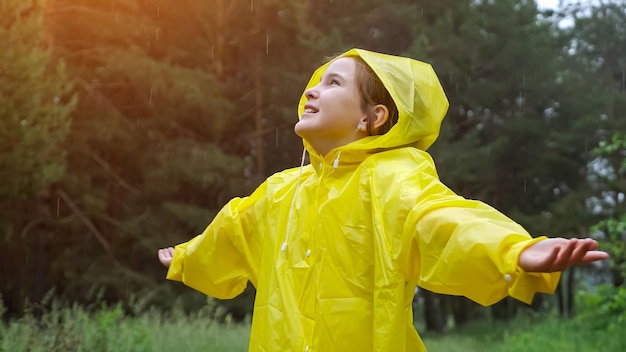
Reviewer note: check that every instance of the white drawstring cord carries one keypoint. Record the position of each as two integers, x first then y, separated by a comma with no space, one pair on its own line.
336,162
283,248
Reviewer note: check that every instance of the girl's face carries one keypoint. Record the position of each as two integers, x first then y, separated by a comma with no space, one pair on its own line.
333,113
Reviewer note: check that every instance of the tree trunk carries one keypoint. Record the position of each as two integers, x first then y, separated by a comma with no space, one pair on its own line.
461,310
570,291
258,103
505,309
616,274
258,117
434,316
559,296
217,54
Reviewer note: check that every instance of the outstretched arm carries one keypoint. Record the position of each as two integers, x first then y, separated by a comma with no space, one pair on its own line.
557,254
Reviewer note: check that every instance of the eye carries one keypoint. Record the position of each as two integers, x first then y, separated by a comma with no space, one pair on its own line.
334,82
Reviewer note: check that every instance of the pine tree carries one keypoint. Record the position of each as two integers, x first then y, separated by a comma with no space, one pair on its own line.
36,102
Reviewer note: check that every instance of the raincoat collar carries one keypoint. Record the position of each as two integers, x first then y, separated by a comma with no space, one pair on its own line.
418,95
338,158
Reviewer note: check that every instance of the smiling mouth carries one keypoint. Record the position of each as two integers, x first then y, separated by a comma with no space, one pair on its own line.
310,111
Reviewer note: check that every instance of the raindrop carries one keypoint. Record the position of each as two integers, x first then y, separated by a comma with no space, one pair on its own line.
267,44
524,185
151,89
623,80
58,204
212,52
158,11
158,30
57,100
331,2
251,5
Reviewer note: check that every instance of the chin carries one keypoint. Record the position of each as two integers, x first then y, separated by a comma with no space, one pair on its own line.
301,128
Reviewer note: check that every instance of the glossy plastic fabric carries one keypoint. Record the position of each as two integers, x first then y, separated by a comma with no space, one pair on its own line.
361,236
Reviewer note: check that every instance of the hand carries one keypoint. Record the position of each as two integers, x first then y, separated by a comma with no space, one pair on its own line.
557,254
166,255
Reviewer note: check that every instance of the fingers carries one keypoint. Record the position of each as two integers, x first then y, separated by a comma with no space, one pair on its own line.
166,252
592,256
564,255
557,254
582,247
594,244
584,252
166,255
552,257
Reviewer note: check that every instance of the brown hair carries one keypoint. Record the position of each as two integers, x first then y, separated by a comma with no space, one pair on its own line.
372,92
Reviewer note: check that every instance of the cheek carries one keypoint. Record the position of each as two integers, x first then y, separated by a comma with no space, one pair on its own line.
345,104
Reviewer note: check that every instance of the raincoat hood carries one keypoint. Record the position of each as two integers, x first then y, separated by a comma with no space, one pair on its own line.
415,89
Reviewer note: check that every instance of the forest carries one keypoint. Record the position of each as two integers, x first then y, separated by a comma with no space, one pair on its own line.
125,125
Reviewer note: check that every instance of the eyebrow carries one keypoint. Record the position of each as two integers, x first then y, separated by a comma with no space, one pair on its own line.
333,75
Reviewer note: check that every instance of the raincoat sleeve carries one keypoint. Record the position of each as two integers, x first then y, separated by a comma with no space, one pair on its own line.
457,246
220,261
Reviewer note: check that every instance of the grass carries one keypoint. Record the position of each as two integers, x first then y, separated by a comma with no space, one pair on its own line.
73,329
108,329
539,333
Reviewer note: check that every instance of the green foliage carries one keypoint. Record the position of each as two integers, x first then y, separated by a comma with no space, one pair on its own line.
537,332
605,306
611,185
555,335
35,103
71,328
598,326
109,329
613,232
615,151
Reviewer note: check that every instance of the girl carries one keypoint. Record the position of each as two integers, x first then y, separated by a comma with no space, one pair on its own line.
336,248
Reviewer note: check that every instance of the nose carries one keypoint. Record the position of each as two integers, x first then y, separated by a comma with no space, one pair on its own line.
311,93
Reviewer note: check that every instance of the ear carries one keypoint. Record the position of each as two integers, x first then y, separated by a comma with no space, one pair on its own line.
382,114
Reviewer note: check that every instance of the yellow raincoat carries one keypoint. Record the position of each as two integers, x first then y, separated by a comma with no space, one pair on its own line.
336,248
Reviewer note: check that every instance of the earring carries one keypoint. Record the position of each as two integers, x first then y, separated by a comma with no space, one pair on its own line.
359,127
